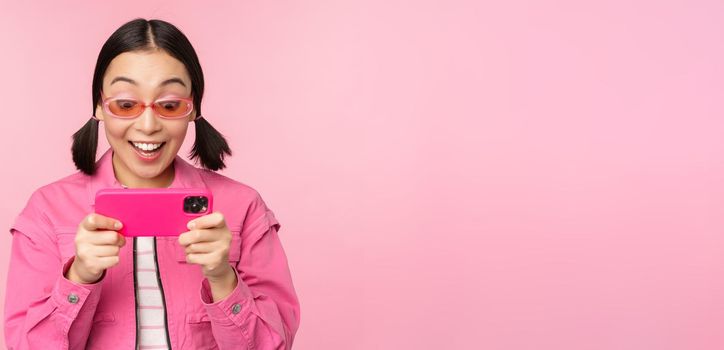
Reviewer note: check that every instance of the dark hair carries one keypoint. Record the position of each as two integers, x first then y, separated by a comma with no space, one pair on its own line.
210,147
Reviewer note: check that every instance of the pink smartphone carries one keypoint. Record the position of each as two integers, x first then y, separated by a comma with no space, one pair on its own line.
154,211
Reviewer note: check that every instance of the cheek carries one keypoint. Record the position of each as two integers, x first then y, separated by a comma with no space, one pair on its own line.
177,132
115,132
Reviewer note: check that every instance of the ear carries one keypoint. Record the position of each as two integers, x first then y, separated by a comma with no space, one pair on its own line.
99,113
192,116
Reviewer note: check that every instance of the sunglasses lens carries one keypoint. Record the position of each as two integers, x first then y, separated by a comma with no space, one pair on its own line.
173,108
124,108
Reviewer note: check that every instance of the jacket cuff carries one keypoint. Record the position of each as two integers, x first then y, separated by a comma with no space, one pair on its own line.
70,297
233,308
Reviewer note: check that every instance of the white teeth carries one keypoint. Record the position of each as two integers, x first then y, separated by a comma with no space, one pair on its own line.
147,146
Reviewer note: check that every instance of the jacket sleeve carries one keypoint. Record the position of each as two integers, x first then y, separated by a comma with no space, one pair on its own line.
262,312
43,309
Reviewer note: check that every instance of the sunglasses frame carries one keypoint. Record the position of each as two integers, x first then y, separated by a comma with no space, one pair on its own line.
107,100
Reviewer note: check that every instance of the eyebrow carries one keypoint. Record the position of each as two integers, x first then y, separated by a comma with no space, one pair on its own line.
164,83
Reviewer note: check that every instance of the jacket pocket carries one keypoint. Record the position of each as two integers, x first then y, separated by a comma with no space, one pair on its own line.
100,317
234,248
199,332
104,328
66,242
66,248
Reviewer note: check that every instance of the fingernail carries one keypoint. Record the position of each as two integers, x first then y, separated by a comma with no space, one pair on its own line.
191,225
118,225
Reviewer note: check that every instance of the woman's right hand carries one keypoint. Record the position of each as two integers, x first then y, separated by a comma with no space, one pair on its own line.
97,244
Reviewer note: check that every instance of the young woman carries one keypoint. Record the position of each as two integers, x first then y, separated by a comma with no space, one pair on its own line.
75,283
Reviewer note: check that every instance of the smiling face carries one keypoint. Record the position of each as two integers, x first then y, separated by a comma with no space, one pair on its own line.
145,76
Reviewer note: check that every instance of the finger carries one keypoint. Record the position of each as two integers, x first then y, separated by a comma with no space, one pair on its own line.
94,222
107,261
201,247
105,237
106,250
213,220
200,258
193,258
196,236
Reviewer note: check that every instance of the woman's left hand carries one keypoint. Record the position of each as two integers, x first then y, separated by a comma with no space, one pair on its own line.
207,244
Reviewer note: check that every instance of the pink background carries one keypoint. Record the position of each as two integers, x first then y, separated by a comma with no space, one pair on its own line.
448,174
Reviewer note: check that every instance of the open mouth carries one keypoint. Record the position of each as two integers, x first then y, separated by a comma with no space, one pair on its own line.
147,150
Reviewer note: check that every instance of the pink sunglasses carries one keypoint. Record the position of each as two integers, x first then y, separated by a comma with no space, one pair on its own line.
170,107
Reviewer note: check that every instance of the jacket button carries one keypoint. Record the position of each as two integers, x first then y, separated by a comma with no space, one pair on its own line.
236,308
72,298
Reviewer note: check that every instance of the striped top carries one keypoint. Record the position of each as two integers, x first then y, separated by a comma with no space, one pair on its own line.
151,314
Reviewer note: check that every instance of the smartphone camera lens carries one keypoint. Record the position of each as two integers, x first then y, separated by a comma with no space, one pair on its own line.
196,204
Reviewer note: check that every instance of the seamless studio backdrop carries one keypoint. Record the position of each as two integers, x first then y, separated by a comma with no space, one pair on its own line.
447,174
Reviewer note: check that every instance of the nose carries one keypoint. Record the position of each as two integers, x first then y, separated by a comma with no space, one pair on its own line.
148,122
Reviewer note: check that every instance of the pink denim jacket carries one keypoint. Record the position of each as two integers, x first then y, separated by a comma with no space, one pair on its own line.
44,310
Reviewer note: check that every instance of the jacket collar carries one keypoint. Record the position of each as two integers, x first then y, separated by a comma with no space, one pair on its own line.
185,175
